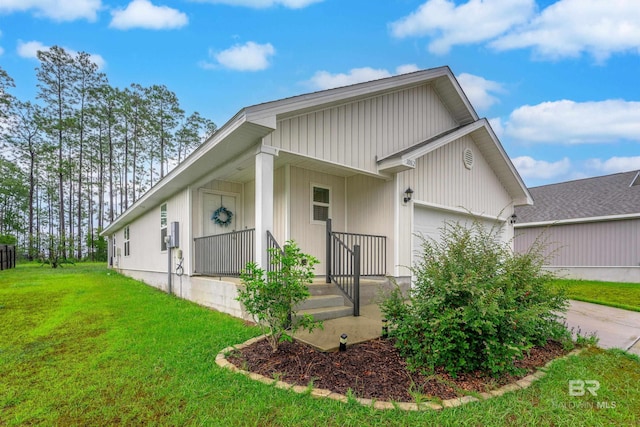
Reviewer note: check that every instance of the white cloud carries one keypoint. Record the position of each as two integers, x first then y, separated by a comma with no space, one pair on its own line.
471,22
480,90
326,80
614,164
530,168
250,56
262,4
30,50
572,122
62,10
144,14
407,68
569,28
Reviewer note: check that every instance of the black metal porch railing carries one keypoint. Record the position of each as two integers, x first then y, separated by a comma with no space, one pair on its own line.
373,251
272,244
224,254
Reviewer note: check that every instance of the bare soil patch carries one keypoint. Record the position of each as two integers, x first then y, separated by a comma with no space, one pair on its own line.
375,370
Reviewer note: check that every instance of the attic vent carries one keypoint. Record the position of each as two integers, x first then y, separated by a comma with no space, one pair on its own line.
467,158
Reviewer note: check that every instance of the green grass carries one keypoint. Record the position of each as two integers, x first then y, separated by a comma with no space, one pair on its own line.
85,346
620,295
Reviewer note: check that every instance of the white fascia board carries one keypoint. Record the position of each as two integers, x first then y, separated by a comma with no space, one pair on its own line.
459,210
578,220
396,165
441,142
526,199
146,201
401,162
328,96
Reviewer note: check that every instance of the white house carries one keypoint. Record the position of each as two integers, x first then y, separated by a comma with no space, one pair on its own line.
277,171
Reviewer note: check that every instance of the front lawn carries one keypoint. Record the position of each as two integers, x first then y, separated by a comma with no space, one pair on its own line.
83,345
620,295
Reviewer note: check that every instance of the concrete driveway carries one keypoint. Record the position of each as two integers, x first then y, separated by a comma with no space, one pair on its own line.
616,328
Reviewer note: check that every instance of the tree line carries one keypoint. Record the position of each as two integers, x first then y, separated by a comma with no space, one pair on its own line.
81,153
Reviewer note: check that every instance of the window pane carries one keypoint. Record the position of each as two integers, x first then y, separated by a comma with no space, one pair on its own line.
321,195
320,213
163,215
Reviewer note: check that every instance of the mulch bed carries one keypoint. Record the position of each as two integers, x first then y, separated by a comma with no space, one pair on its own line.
374,370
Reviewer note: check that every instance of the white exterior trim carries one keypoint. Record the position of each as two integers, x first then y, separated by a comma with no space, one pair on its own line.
458,210
578,220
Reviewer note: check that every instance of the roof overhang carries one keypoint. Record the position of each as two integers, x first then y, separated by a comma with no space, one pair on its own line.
441,79
251,124
486,141
231,141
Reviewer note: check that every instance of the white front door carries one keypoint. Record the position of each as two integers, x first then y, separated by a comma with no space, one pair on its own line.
220,214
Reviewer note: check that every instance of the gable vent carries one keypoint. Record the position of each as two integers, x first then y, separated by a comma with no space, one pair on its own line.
467,158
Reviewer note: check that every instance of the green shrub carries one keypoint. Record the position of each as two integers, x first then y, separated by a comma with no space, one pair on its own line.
475,304
270,297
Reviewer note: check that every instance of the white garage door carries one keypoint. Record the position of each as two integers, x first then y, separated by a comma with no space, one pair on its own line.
428,222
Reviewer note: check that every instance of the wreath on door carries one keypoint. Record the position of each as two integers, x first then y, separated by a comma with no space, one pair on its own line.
222,216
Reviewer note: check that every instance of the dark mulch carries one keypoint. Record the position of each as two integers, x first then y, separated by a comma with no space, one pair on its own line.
374,370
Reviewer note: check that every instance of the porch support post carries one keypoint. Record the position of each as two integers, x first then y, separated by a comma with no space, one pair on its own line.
264,201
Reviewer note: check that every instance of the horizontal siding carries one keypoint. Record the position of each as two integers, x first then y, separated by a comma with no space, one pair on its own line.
354,134
440,177
612,244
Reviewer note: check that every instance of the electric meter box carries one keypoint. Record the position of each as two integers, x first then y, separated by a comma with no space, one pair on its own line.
175,234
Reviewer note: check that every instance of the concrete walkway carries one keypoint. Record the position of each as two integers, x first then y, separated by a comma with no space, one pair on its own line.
616,328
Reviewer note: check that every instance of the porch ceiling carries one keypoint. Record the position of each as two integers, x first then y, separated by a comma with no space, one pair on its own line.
245,171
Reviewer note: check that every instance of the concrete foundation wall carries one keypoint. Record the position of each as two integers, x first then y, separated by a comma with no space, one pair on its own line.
206,291
604,274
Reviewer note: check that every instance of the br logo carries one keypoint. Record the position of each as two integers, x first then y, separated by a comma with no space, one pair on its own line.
578,387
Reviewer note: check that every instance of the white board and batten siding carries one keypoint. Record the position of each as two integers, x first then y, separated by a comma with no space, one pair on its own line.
356,134
445,189
310,235
144,236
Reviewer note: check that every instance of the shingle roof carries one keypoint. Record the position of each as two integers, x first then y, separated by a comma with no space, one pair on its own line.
584,198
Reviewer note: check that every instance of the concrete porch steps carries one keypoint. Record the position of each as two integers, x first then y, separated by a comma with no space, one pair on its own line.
325,307
328,313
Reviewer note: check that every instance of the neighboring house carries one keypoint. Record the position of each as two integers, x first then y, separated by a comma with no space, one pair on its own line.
279,170
591,226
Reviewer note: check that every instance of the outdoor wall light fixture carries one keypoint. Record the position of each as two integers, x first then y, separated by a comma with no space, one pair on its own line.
513,219
408,193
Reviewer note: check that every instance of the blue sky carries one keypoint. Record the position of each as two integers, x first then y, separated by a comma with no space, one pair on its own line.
557,80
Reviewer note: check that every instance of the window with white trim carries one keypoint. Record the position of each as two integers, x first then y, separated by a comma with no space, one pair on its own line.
320,203
163,227
126,241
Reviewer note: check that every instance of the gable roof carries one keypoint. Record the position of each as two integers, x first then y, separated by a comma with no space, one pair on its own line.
246,129
488,144
609,196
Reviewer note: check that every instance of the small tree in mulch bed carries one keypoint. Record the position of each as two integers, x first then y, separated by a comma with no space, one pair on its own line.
475,304
271,297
